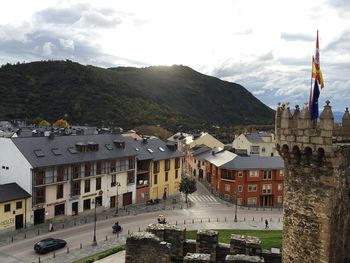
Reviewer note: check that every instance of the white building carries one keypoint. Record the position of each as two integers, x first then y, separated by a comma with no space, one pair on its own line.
262,144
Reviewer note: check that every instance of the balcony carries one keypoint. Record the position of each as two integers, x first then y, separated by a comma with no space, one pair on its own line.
142,184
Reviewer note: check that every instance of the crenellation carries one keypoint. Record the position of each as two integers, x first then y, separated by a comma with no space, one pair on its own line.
317,187
295,117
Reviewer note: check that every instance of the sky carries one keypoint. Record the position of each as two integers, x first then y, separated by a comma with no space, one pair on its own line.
266,46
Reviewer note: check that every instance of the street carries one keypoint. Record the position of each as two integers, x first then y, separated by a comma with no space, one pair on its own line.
209,215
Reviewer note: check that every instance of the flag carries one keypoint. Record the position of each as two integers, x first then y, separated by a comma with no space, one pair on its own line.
316,70
314,104
316,82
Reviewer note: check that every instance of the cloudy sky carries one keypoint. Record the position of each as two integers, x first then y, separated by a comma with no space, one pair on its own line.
266,46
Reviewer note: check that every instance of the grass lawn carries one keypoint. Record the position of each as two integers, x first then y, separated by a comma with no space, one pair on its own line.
100,255
269,238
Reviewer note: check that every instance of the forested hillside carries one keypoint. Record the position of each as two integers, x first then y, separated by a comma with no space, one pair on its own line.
173,97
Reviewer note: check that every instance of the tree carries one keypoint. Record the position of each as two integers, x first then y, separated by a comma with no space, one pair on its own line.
61,123
188,186
44,123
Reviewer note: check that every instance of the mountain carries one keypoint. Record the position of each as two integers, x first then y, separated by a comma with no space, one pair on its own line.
172,97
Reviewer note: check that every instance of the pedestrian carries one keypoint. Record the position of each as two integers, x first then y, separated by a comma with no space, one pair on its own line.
266,224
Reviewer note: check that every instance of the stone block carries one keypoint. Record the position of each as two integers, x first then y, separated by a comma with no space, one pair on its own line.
222,251
207,242
190,246
325,133
243,259
310,132
237,244
317,140
197,258
303,139
146,247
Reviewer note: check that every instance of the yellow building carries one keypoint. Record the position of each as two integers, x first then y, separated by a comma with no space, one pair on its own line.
15,206
165,177
165,167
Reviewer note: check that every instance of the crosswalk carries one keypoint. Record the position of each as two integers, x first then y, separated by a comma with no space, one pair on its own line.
203,199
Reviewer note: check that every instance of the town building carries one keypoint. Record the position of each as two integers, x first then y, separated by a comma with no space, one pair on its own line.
260,143
15,206
195,141
253,180
67,175
250,180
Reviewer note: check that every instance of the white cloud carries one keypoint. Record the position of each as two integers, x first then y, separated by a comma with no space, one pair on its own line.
67,43
47,49
267,49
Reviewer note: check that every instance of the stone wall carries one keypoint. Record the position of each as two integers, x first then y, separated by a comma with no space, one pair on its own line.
167,243
316,224
143,247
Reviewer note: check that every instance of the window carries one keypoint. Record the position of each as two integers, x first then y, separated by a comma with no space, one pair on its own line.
87,186
266,188
61,172
156,167
19,205
227,188
281,173
75,188
227,174
240,173
251,200
254,149
113,180
254,173
122,165
280,187
100,168
279,199
39,195
155,178
177,163
166,176
131,163
263,149
59,191
112,166
252,188
267,175
131,177
240,188
87,167
7,208
75,171
39,177
167,165
176,174
98,183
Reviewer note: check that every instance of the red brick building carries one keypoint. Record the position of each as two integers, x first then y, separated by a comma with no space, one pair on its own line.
251,180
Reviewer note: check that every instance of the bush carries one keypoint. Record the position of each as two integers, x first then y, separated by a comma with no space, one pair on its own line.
89,260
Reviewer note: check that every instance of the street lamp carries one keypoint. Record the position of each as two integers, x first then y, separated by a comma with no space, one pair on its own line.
235,192
116,210
94,242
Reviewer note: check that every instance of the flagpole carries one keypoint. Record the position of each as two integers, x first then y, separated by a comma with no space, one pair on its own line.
310,96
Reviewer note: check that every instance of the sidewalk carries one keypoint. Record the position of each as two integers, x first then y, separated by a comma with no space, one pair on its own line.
10,236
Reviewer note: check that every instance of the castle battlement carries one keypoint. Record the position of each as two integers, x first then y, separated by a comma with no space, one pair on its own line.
316,186
300,139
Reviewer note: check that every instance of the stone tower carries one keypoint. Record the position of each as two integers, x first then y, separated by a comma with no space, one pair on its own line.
316,225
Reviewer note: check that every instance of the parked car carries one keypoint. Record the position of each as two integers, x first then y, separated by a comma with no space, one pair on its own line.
49,244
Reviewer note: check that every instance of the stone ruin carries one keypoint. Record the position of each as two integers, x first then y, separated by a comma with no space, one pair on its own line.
164,243
316,224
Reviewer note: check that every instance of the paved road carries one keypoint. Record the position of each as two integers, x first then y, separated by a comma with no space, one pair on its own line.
215,216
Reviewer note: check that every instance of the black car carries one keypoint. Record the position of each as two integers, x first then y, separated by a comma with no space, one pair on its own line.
49,244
